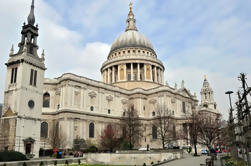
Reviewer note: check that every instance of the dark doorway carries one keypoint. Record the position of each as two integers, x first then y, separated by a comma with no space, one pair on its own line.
27,148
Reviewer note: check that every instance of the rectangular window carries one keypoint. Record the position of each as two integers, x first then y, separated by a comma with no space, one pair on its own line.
15,75
13,78
129,77
31,77
12,75
184,107
35,78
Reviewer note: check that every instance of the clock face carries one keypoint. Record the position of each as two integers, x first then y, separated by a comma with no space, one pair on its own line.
31,104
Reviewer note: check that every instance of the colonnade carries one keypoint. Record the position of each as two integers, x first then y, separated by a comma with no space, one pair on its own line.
133,72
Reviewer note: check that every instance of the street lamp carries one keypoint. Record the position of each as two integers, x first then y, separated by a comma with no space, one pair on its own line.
229,94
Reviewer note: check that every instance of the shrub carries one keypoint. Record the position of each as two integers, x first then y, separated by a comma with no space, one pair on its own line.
12,156
92,149
79,162
233,162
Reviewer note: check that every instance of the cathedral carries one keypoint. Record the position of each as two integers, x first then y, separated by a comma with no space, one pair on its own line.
131,75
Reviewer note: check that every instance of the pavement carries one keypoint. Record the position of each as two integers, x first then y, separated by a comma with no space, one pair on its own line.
190,160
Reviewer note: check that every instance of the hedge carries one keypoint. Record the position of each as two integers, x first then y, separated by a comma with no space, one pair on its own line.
12,156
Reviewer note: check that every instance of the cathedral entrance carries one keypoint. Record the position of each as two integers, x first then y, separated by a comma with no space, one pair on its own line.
28,145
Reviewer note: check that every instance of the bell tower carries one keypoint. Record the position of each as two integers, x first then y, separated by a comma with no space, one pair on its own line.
23,92
207,95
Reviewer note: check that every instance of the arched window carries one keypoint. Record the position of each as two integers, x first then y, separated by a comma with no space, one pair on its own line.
154,132
91,108
46,100
44,130
91,130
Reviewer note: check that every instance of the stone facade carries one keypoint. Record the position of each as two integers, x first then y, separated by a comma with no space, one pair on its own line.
132,74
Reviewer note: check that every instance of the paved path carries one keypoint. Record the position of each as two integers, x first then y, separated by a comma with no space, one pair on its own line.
190,161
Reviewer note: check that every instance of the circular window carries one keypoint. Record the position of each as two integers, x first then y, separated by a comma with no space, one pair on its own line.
31,104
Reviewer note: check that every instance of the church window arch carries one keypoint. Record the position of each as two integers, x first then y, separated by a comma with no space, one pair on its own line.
46,100
154,132
92,108
44,130
91,130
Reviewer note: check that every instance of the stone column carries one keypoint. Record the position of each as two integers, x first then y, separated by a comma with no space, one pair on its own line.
158,75
162,73
144,72
138,65
61,97
151,73
72,96
81,97
118,73
132,71
109,75
125,73
113,74
105,76
155,74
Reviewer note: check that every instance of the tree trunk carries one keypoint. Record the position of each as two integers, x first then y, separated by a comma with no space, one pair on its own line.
195,149
163,143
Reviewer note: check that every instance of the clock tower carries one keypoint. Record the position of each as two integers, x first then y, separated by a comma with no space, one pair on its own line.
23,93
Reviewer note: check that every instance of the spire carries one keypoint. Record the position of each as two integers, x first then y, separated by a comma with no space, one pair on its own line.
11,50
31,17
182,84
131,21
42,56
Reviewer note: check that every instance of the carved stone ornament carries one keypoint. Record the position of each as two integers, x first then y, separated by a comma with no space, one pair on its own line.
109,98
173,100
124,101
152,101
92,94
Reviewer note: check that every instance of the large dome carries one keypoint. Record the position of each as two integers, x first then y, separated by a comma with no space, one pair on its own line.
131,38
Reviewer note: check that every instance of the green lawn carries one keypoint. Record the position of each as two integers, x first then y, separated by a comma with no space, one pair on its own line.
93,165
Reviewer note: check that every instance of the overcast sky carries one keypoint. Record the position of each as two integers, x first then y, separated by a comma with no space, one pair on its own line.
191,38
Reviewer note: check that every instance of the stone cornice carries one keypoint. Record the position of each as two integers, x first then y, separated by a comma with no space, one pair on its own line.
132,59
93,83
77,113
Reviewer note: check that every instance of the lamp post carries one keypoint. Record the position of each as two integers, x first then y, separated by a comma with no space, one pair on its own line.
231,128
231,108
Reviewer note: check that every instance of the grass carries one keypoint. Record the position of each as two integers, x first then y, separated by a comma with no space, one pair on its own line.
93,165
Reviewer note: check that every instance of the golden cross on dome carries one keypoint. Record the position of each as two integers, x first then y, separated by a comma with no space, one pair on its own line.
130,6
205,77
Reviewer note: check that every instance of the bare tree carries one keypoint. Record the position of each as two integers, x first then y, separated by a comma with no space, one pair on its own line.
57,137
165,125
132,126
192,134
209,129
109,138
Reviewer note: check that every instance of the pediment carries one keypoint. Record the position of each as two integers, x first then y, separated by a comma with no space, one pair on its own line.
8,113
185,92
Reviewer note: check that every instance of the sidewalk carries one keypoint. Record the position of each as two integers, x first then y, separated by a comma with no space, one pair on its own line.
191,161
